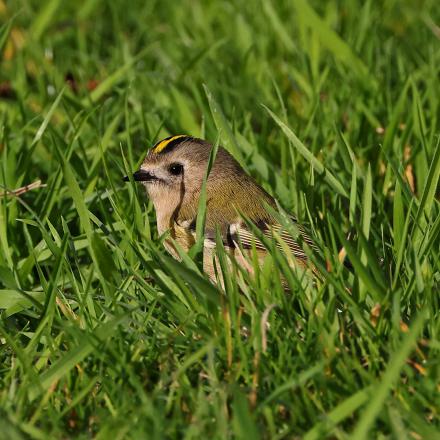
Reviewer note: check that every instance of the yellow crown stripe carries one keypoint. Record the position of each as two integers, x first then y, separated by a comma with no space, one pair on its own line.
163,144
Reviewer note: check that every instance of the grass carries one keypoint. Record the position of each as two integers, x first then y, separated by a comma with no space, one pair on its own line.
333,107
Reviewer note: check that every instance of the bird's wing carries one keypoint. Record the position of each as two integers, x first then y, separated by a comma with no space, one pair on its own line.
240,234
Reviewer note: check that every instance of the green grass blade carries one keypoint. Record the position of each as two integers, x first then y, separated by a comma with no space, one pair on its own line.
333,182
367,204
44,17
47,118
5,29
201,210
243,423
278,26
224,130
389,378
333,42
398,217
353,194
428,196
390,132
376,290
112,79
75,356
294,383
366,221
345,409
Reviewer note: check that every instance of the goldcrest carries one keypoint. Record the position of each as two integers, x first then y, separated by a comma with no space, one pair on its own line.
173,173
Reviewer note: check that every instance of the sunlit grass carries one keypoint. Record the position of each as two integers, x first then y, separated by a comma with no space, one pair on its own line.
334,109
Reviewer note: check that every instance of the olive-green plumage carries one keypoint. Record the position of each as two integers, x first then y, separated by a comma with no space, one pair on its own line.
228,190
173,172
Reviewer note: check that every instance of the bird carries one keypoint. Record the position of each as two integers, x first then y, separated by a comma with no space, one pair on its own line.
173,173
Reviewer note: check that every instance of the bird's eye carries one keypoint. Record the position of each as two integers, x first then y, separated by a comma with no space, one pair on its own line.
175,169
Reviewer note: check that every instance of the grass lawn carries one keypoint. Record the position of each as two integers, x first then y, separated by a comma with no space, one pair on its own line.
334,107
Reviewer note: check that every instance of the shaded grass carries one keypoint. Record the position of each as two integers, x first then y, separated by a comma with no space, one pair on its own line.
103,334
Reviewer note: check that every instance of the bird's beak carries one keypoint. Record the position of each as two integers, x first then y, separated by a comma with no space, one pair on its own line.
141,176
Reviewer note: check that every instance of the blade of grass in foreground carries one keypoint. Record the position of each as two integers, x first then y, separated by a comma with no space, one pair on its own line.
366,221
401,247
341,412
389,378
303,150
428,196
95,246
375,287
398,216
294,383
353,194
74,356
243,423
201,213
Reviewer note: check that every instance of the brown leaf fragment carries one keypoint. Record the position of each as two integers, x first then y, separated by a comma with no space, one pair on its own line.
403,327
409,174
92,84
23,189
342,254
417,367
374,314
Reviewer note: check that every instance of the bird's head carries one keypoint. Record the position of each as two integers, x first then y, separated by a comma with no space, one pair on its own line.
173,172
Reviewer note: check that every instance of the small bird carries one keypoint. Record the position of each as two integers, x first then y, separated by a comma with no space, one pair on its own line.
173,173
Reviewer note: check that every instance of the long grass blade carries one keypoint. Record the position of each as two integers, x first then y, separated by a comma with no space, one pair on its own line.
318,166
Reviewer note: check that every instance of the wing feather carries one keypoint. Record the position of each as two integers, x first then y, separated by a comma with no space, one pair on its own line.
243,235
239,233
